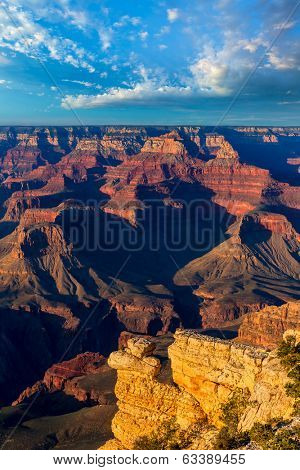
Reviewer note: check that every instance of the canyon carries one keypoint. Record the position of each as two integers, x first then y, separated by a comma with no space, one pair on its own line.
109,233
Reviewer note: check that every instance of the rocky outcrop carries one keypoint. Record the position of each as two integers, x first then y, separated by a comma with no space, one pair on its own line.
224,175
167,144
239,275
125,336
38,216
206,372
143,402
24,157
266,327
271,138
148,316
118,143
85,377
226,151
17,205
56,377
211,369
214,140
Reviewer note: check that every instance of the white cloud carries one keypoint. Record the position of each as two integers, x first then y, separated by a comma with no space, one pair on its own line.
145,91
27,36
220,71
105,35
4,82
56,11
82,83
288,102
103,75
172,14
163,30
143,35
251,45
162,47
286,25
126,19
284,62
210,76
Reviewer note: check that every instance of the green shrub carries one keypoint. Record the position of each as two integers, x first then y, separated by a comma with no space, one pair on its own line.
170,437
268,436
166,438
289,354
227,440
229,437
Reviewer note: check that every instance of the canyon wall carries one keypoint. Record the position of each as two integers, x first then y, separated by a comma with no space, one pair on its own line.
266,327
206,372
211,370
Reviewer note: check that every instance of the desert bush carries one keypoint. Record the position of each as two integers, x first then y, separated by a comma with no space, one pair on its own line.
170,437
229,437
289,354
275,437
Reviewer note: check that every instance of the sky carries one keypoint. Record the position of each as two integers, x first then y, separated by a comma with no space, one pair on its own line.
71,62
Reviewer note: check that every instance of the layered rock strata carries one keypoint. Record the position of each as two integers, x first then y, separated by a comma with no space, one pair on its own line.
266,327
83,377
212,369
206,374
143,402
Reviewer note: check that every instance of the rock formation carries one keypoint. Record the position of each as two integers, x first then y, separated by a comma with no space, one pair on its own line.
206,374
266,327
143,402
167,144
270,138
232,276
74,378
211,369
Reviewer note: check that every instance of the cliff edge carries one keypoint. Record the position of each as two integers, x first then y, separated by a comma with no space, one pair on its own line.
206,374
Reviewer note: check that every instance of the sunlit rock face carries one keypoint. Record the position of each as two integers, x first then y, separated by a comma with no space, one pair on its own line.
143,402
205,374
266,327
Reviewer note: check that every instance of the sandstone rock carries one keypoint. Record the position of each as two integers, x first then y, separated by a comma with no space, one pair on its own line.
125,336
17,205
146,315
170,143
214,140
226,151
30,392
211,369
86,363
124,360
266,327
144,403
140,347
229,275
270,138
85,377
207,372
38,216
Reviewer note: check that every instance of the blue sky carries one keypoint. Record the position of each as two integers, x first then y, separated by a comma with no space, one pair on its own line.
149,62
